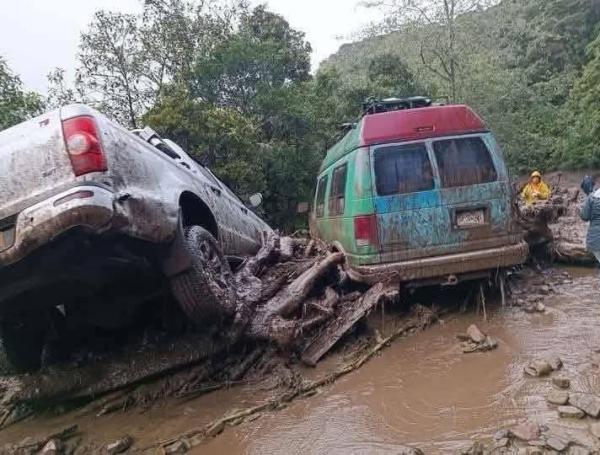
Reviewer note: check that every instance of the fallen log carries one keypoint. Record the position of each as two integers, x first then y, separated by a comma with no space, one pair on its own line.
572,253
287,248
97,379
270,323
36,446
349,315
420,319
261,278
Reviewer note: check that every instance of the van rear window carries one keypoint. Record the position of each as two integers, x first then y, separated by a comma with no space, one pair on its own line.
464,161
402,169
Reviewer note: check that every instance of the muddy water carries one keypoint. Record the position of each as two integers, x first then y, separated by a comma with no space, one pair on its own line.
423,392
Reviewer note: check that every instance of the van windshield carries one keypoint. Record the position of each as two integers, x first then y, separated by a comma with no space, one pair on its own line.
402,169
464,161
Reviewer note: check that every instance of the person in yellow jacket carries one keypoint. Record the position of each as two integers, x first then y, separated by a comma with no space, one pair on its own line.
536,189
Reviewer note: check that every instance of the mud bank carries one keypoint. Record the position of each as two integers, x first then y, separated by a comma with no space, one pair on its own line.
421,391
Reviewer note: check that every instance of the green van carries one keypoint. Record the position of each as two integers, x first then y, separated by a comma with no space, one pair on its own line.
417,193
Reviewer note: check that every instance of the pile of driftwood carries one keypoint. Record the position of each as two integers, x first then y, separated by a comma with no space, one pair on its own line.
554,228
293,296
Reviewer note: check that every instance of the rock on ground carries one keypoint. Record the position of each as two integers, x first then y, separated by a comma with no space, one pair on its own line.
527,431
558,397
595,429
588,403
561,382
475,334
570,412
120,445
52,447
556,443
538,368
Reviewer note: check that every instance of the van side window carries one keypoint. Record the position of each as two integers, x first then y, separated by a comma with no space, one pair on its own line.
402,169
337,194
320,204
464,161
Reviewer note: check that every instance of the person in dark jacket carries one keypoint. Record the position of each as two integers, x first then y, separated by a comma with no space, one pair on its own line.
591,212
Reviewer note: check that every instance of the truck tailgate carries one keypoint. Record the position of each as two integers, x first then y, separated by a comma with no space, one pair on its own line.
33,161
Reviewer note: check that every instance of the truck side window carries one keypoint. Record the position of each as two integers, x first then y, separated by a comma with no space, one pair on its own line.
464,161
402,169
320,204
338,190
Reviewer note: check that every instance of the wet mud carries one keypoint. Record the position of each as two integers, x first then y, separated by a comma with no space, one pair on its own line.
425,393
422,391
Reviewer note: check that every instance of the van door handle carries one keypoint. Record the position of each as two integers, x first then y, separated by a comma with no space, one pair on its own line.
215,190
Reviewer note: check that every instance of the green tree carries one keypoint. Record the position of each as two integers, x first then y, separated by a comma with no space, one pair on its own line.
389,73
584,122
438,31
16,103
218,137
60,92
264,54
112,66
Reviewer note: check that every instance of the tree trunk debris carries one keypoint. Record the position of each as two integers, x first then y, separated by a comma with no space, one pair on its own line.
292,294
554,229
421,318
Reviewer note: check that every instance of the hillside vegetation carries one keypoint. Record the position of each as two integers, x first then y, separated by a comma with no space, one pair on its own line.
531,68
233,84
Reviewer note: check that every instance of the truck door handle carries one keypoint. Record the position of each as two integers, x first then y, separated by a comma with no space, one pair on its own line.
215,190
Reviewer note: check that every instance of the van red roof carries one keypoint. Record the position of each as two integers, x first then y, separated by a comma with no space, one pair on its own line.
421,123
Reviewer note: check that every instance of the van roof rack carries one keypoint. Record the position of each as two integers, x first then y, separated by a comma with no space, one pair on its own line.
375,106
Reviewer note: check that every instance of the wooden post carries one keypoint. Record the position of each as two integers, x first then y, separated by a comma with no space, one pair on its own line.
502,290
482,300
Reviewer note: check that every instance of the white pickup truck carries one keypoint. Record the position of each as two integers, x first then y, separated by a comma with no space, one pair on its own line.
92,214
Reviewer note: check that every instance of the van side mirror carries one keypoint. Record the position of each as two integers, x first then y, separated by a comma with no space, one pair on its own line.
256,200
303,207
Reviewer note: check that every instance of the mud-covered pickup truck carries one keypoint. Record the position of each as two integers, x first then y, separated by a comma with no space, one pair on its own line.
92,215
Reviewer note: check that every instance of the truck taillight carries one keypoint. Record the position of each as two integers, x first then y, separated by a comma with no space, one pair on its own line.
365,230
83,145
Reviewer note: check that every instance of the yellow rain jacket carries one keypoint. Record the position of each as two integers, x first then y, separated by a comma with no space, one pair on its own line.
532,192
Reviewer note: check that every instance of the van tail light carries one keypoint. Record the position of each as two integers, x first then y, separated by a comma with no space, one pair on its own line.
83,145
365,230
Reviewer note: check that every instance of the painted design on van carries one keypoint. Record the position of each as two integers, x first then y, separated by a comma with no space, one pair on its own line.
416,195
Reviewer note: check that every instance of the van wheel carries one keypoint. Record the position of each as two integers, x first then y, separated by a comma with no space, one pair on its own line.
206,291
23,339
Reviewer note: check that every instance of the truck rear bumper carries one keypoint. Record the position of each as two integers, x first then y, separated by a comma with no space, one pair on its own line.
442,267
87,206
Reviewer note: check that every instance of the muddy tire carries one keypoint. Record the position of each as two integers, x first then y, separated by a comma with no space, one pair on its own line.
206,291
23,339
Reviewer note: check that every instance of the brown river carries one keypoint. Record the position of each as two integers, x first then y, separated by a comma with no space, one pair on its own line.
422,391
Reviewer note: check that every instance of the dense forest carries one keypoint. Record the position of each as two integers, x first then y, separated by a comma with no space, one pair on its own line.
233,84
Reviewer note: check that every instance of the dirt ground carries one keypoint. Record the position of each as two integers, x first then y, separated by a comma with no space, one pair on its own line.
400,382
421,391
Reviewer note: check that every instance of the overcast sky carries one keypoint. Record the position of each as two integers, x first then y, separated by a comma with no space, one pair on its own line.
39,35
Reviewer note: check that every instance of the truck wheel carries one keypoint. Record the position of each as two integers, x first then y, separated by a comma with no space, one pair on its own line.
205,291
23,339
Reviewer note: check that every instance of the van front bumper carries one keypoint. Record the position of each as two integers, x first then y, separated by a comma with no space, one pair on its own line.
442,269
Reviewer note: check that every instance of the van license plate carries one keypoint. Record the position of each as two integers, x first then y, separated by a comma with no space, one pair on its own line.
470,218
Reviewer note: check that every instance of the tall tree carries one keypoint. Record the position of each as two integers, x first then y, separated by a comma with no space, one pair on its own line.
61,92
264,54
112,66
438,31
127,61
16,103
